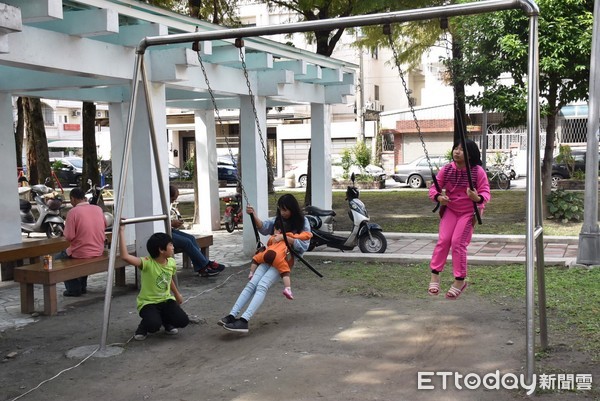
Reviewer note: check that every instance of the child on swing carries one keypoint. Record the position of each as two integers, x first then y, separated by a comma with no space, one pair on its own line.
458,220
277,255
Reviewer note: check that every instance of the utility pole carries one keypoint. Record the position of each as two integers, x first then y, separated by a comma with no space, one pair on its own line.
589,237
360,107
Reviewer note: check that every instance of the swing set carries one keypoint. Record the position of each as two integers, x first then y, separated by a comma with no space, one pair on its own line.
534,234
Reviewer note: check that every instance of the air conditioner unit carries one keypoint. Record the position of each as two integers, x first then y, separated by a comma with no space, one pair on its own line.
76,113
377,105
98,114
412,101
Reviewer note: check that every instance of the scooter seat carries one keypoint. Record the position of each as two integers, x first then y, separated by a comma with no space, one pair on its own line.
315,211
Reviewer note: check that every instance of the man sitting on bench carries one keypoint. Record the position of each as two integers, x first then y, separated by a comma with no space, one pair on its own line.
84,228
187,242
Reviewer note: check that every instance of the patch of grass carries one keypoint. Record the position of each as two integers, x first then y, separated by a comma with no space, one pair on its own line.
572,296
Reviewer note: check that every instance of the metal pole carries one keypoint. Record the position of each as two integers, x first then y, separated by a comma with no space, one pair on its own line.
589,237
420,14
533,184
119,201
360,107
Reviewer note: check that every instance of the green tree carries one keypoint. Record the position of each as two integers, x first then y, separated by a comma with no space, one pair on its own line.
496,46
222,12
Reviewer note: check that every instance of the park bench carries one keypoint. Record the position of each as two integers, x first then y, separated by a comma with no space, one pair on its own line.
62,270
66,269
13,255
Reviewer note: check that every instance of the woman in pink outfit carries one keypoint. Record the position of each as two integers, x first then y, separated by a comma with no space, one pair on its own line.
458,220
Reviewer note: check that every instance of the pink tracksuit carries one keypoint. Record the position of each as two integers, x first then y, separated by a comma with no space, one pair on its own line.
456,228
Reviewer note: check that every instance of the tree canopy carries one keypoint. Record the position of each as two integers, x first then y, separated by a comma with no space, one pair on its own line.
495,56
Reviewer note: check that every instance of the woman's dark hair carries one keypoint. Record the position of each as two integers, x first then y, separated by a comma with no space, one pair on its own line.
472,151
296,221
156,243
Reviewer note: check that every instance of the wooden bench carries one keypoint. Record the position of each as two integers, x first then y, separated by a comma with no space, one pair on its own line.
204,242
62,270
28,251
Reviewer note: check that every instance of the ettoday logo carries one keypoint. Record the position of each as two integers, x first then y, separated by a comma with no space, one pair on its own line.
473,381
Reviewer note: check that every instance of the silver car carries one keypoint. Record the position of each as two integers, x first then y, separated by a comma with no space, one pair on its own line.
417,172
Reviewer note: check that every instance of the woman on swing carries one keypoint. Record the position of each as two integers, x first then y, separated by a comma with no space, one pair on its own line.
458,220
265,275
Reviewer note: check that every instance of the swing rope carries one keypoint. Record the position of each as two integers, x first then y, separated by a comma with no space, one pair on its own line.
239,43
387,30
196,48
460,123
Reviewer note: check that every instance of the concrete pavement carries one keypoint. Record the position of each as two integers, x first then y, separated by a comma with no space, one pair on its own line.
402,248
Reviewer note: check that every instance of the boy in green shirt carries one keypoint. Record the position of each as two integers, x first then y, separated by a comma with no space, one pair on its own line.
158,300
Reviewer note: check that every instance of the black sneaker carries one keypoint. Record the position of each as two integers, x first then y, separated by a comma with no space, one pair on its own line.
140,334
226,320
170,329
239,326
71,294
211,269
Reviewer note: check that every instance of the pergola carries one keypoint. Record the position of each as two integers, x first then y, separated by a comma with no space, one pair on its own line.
85,50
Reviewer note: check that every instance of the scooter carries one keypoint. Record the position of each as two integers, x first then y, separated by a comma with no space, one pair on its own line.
233,212
94,197
368,236
49,220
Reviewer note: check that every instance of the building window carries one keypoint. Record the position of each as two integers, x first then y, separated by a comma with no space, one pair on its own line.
48,114
376,91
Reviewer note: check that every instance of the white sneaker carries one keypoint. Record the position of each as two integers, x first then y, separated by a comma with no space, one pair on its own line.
170,330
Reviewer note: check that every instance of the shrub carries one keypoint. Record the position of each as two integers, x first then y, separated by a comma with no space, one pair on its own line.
565,206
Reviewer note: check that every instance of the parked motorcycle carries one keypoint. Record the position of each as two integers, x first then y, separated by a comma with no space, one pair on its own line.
94,197
368,236
48,204
233,212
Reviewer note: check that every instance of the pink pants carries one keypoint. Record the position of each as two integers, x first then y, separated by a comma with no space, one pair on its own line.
456,231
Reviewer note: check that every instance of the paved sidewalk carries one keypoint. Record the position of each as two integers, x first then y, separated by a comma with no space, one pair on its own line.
402,248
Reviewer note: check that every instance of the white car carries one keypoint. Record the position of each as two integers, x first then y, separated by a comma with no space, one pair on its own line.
337,172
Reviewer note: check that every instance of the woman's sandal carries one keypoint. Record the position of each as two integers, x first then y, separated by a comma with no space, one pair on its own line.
453,293
434,288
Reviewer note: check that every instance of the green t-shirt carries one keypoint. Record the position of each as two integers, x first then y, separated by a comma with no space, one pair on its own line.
156,282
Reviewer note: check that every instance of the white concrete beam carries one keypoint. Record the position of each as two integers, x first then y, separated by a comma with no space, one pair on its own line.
271,82
313,73
171,65
299,67
225,55
85,23
9,206
15,80
10,19
131,35
38,10
83,57
4,44
335,94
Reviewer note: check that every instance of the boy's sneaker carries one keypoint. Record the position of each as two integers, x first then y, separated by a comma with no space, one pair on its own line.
171,330
238,326
287,292
226,320
211,269
140,334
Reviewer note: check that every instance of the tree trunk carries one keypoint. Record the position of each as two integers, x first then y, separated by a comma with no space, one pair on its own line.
37,143
90,152
459,94
19,133
308,193
549,148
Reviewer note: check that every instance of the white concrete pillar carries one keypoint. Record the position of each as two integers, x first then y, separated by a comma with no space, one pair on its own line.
206,171
9,206
146,195
320,130
254,165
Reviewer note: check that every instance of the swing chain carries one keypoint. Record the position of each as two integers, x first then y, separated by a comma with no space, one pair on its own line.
240,45
388,32
219,120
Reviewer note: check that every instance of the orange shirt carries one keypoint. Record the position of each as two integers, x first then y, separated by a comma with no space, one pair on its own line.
84,228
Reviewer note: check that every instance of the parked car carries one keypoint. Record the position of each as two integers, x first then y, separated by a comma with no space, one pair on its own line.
176,173
227,173
560,170
70,170
417,172
337,172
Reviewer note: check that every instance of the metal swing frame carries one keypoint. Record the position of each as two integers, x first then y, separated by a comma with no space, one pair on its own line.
534,238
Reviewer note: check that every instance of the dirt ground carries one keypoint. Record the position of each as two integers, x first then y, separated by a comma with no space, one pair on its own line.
323,345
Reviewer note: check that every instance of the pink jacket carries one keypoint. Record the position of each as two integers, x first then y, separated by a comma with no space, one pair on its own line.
455,182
